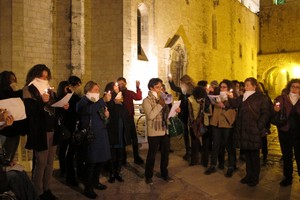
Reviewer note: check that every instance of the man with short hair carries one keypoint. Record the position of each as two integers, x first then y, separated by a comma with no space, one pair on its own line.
128,97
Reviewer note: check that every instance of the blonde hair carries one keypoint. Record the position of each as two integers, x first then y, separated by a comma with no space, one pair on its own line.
186,79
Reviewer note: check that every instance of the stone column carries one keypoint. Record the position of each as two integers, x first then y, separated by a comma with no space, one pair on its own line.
77,38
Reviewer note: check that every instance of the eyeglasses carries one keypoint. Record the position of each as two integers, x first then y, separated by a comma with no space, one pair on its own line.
295,87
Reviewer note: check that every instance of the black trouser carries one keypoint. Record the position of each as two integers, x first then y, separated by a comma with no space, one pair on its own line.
75,154
252,164
195,148
117,155
186,137
134,140
10,146
92,174
154,143
222,137
288,142
62,150
264,147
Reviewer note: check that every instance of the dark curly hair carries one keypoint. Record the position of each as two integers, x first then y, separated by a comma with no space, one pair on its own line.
199,92
290,83
37,71
5,80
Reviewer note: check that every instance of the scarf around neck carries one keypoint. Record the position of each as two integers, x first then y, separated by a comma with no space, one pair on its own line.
160,121
247,94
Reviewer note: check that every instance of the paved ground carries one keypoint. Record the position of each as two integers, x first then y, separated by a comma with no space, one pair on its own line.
190,182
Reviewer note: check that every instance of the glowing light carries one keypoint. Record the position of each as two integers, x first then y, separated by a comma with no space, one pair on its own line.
296,72
283,71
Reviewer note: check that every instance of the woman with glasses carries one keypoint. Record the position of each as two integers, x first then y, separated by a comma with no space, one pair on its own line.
289,133
221,122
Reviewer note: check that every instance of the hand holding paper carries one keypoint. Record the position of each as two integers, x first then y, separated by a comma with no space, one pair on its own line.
61,103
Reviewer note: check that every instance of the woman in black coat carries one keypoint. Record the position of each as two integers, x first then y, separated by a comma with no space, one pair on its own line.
118,131
289,132
253,115
9,89
185,90
41,138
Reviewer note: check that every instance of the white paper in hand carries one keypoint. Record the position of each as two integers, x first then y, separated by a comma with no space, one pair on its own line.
175,105
63,101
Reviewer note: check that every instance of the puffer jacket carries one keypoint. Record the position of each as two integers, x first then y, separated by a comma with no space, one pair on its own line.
253,115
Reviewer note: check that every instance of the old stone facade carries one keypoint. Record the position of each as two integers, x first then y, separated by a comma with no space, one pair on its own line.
99,40
279,49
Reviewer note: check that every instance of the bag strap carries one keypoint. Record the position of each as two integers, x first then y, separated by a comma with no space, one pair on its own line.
255,114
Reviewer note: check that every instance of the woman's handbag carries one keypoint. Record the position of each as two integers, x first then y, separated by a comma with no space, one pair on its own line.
83,136
64,133
198,127
175,127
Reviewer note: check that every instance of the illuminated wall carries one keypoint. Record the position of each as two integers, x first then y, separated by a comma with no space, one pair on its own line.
279,55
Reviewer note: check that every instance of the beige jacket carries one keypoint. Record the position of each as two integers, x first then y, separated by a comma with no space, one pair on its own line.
223,118
151,113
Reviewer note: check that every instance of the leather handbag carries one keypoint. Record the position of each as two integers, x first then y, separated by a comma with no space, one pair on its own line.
175,127
64,133
83,137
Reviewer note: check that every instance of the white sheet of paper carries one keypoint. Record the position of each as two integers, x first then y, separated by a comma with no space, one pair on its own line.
15,107
214,98
63,101
175,105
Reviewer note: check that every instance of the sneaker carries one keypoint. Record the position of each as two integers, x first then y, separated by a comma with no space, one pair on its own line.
149,181
229,172
210,170
168,179
286,182
138,160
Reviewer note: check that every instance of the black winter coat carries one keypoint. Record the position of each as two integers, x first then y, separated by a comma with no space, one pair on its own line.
118,112
40,118
184,108
251,122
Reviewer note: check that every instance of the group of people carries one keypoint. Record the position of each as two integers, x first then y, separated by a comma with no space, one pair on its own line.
215,117
232,114
110,117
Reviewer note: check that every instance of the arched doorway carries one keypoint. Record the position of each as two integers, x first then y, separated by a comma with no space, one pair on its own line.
275,80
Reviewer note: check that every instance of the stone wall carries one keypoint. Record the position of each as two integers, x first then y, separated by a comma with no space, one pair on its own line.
98,39
279,47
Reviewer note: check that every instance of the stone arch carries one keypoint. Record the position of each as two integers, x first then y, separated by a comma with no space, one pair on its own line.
275,79
176,58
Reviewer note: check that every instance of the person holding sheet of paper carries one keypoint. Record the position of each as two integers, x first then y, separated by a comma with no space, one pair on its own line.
185,90
156,111
10,99
221,122
38,98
